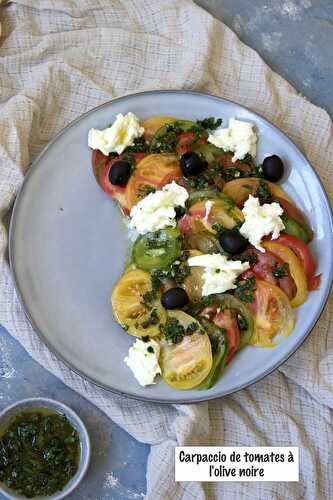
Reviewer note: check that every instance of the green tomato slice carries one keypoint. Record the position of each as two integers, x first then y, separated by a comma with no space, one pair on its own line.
162,135
157,250
295,228
187,363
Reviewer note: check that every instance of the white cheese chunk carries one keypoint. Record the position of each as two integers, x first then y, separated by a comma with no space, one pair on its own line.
219,273
261,221
208,208
118,137
142,359
157,210
239,137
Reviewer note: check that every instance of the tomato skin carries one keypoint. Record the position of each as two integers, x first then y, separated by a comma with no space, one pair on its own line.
314,283
295,267
224,319
304,254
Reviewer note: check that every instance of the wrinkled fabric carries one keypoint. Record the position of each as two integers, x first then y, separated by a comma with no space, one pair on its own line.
60,58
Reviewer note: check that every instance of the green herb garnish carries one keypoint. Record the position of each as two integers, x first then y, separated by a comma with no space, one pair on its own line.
281,271
173,330
39,453
245,289
263,192
210,123
150,349
153,319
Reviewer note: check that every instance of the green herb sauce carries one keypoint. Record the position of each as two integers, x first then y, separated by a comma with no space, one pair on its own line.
39,453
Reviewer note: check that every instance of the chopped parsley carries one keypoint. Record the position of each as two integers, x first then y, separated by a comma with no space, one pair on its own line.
232,173
281,271
167,142
263,192
191,328
139,146
153,319
173,330
145,338
150,349
210,123
245,289
148,298
178,271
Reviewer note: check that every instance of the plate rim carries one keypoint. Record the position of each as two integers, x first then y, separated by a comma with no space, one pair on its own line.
34,165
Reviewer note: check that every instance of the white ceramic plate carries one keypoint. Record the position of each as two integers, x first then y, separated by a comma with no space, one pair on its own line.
68,245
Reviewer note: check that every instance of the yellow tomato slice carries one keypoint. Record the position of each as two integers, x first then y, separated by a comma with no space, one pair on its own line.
128,307
194,282
240,189
296,268
187,364
152,124
272,313
151,173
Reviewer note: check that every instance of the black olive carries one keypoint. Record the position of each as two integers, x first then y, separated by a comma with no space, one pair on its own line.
192,164
174,298
273,168
180,211
232,241
119,173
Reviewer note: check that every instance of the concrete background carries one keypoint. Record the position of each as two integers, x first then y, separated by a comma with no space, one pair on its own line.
296,39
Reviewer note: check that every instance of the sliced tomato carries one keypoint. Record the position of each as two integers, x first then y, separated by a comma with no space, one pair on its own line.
263,267
101,167
240,189
225,319
296,269
314,283
188,141
152,172
304,254
152,124
273,315
291,210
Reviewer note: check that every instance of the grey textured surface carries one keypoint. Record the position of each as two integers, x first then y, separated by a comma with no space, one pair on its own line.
296,39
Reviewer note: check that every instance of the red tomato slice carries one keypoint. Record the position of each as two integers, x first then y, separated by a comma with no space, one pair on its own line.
224,319
314,283
263,267
188,141
304,254
226,161
184,224
101,167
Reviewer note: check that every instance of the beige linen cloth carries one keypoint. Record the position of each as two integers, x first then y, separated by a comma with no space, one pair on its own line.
60,58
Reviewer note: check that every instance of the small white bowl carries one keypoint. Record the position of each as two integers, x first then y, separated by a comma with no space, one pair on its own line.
36,403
